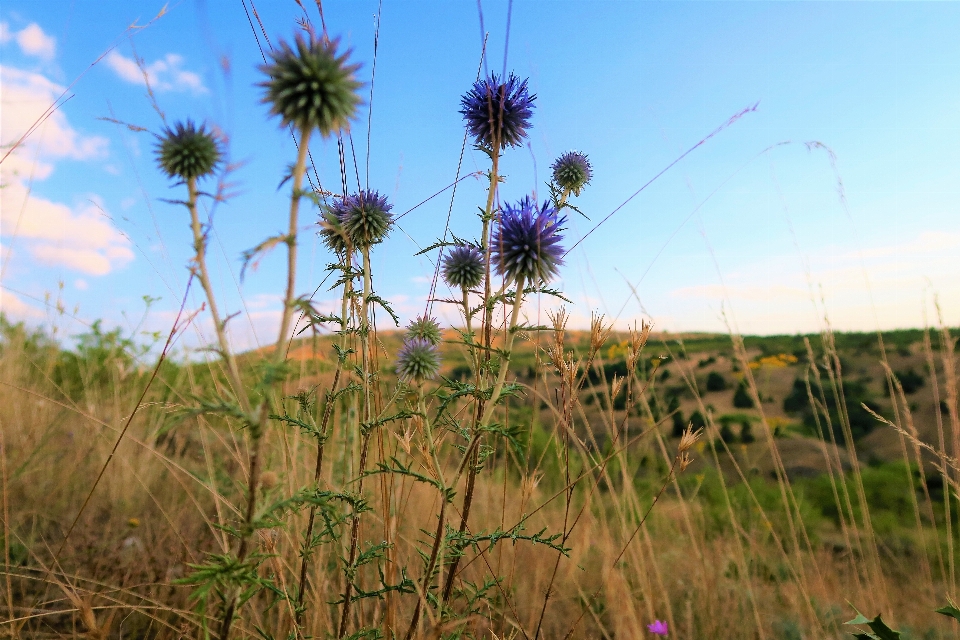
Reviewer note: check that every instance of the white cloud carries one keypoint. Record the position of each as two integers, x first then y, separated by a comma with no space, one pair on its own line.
4,33
165,74
26,98
884,286
80,237
16,309
34,42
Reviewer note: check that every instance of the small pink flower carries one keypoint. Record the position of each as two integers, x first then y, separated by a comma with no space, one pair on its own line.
658,627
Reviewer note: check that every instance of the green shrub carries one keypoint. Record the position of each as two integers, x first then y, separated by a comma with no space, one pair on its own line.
741,397
716,382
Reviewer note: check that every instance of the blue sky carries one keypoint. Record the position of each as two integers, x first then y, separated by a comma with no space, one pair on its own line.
863,226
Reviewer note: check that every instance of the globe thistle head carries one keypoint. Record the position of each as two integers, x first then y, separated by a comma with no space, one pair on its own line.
572,172
527,241
463,267
424,328
331,232
365,218
310,86
498,111
418,360
187,151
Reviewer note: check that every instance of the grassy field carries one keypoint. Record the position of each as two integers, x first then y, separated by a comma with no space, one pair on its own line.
776,528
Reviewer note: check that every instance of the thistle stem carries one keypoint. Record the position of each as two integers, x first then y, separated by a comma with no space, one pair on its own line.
327,412
200,247
256,431
365,351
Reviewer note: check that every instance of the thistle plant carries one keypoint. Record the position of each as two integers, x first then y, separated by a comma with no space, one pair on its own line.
311,88
445,425
189,153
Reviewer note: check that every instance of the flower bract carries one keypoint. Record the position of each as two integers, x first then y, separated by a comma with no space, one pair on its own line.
498,111
310,86
572,172
418,360
187,151
463,267
331,231
365,217
527,242
425,328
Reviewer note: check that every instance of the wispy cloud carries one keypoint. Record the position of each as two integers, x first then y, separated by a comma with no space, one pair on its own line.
165,74
31,39
81,237
16,309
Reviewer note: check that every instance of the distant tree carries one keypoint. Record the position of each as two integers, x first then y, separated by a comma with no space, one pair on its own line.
910,380
726,433
679,424
716,382
741,397
697,421
746,432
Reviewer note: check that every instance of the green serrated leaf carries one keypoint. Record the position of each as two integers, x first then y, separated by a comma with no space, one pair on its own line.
950,611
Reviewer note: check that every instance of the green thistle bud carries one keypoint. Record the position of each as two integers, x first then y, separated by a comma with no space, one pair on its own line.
311,87
425,328
418,360
187,151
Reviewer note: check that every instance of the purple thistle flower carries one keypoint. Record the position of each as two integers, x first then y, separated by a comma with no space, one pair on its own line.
365,217
658,628
498,112
463,267
572,171
527,241
417,360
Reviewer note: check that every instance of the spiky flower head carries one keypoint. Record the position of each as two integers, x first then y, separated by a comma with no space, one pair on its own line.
187,151
366,218
658,628
463,267
425,328
310,86
527,242
498,111
572,171
331,231
418,360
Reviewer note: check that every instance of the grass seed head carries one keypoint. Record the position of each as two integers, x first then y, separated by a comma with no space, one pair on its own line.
599,333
